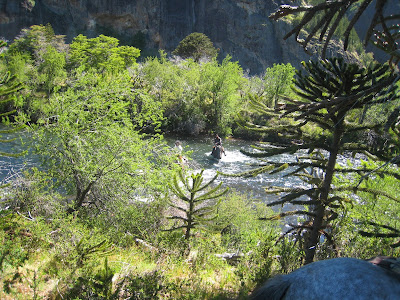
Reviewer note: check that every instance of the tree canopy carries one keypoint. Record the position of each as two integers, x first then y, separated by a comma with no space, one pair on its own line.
196,46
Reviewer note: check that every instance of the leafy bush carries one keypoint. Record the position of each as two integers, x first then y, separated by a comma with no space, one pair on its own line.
196,98
196,46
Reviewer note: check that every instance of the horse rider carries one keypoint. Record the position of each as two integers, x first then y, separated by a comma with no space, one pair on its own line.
218,142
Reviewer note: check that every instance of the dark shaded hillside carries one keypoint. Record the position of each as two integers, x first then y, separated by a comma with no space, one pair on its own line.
240,28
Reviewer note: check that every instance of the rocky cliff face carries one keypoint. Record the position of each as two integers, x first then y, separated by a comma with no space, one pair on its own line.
240,28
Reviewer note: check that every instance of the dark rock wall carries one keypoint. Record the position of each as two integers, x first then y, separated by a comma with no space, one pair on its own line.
240,28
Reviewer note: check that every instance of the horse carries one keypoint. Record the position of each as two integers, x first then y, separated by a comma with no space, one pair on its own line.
217,151
337,278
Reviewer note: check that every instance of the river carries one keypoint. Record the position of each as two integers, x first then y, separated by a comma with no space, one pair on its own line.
236,162
197,149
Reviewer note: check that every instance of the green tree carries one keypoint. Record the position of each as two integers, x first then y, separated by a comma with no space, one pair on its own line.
101,53
37,56
198,207
52,73
9,88
196,46
382,32
91,145
219,94
278,80
196,97
35,39
328,91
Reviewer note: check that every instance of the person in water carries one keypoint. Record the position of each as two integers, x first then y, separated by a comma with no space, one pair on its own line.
178,150
178,146
218,142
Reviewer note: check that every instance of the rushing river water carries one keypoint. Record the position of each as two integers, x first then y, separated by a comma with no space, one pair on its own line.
236,162
12,166
198,149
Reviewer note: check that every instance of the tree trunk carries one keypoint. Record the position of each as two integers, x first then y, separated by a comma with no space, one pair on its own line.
318,220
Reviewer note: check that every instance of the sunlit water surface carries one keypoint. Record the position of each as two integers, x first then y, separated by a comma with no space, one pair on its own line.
198,151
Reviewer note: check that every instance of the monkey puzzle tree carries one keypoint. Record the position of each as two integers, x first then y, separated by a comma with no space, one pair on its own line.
382,31
198,205
328,91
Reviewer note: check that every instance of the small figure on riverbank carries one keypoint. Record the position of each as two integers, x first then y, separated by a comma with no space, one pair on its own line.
178,147
178,150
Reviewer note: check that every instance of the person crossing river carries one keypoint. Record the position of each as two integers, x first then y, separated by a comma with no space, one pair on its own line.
218,142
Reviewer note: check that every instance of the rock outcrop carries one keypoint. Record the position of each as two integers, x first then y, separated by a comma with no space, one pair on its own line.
240,28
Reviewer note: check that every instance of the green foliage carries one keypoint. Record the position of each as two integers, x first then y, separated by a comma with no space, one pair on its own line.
257,266
328,91
14,239
196,46
278,80
9,87
20,240
145,286
124,222
196,97
267,90
35,39
238,217
198,204
374,210
90,145
81,245
52,72
101,53
38,57
32,194
219,95
20,64
93,286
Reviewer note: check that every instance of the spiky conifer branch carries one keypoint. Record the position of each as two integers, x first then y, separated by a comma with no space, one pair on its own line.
328,90
199,209
382,31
